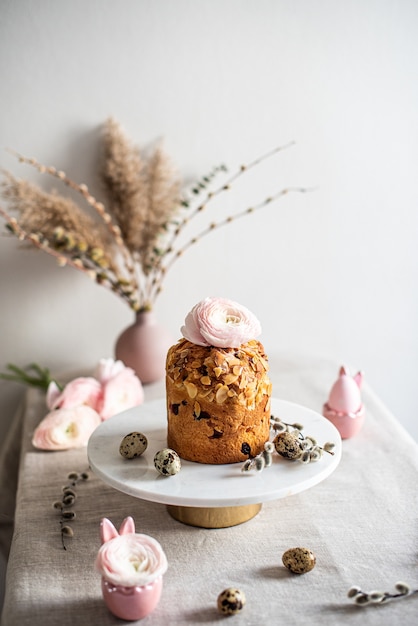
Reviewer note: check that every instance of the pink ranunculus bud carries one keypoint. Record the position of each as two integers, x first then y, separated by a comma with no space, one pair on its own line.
80,391
107,369
52,394
221,323
121,392
62,429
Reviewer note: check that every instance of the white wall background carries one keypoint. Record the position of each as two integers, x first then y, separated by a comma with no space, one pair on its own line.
332,273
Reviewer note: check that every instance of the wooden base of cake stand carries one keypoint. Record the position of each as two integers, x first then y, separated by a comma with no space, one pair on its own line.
222,517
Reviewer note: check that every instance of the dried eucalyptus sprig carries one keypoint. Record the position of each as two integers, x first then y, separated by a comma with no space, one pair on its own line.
129,246
363,598
65,505
33,375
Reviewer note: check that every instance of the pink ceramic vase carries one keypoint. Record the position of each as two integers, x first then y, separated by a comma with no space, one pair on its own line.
132,603
143,347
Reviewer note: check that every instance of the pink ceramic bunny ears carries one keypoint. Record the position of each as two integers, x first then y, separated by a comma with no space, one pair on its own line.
108,530
358,378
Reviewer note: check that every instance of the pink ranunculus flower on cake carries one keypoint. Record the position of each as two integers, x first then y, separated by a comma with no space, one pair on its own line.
62,429
80,391
221,323
131,560
121,388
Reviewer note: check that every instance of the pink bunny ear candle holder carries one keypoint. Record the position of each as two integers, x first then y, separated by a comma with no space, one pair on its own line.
344,407
132,566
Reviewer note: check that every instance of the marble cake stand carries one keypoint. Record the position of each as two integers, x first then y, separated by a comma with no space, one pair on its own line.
209,496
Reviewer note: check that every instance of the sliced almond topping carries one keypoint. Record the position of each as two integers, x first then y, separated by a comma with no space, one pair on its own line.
229,379
191,389
264,363
222,394
204,393
233,361
237,369
217,371
205,380
196,409
242,398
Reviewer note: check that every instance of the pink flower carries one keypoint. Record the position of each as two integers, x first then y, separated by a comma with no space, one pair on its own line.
131,560
62,429
80,391
221,323
121,388
84,403
107,369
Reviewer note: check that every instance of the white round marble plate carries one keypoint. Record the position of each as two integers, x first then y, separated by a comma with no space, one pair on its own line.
202,485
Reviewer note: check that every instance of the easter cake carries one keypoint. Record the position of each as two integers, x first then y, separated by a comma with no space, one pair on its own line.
217,386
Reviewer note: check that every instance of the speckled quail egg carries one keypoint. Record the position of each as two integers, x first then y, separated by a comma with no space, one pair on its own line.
231,601
167,462
287,445
133,445
299,560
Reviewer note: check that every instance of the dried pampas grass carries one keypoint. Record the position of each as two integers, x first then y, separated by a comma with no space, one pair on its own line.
129,245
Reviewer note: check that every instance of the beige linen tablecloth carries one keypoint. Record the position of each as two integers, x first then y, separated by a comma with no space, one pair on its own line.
361,522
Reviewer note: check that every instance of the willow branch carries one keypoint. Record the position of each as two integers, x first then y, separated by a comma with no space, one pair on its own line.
176,254
212,194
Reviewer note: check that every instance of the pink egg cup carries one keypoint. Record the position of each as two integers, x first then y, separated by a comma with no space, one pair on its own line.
132,603
347,424
129,602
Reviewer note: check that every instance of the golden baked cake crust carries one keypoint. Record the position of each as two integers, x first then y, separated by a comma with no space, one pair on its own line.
218,401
